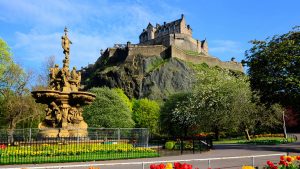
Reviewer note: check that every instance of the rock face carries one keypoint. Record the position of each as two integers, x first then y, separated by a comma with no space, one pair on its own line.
151,77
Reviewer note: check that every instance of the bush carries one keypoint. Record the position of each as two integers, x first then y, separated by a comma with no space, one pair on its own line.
108,110
170,145
145,114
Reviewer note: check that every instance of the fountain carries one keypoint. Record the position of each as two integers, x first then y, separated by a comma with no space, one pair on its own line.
64,100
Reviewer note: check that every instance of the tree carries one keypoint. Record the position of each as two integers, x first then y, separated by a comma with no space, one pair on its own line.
108,110
16,103
178,115
145,114
123,96
215,94
5,57
274,69
43,77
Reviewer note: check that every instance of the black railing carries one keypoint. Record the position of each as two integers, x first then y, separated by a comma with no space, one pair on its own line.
100,144
184,145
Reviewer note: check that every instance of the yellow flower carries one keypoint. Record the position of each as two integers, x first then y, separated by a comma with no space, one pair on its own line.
169,166
247,167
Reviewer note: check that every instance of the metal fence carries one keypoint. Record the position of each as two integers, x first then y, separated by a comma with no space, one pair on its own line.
101,144
140,136
182,145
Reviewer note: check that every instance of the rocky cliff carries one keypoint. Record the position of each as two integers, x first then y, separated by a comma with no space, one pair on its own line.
151,77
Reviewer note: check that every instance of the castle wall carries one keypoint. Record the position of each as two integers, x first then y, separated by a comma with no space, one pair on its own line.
211,61
146,51
183,41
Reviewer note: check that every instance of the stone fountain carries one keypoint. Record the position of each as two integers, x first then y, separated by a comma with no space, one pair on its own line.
64,112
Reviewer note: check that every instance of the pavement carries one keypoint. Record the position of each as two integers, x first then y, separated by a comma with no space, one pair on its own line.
219,151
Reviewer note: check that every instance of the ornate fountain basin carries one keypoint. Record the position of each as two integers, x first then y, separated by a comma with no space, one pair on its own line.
48,96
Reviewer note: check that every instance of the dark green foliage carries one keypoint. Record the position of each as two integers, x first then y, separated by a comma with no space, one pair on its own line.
274,69
145,114
108,110
264,142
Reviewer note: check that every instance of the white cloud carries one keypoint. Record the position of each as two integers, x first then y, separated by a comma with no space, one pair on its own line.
93,25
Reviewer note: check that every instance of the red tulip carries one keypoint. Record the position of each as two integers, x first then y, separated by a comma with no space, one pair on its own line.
162,166
152,166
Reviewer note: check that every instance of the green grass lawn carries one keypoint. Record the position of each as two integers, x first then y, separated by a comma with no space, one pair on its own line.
242,140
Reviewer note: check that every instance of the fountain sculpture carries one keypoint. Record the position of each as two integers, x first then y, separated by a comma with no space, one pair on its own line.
64,112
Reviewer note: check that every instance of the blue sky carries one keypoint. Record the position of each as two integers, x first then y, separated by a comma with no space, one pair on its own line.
33,28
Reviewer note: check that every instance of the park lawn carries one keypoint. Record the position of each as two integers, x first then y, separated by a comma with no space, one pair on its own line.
76,158
240,140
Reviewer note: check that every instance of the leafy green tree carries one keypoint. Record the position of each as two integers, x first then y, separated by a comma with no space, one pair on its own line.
108,110
215,94
5,57
274,68
123,96
178,115
145,114
16,103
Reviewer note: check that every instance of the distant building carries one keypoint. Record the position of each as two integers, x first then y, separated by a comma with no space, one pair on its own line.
176,33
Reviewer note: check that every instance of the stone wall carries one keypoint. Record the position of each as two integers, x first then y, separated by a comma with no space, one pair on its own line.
147,51
211,61
131,51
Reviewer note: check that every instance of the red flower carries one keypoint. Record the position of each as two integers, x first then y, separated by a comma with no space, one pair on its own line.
289,159
298,157
162,166
177,165
2,146
281,157
152,166
270,164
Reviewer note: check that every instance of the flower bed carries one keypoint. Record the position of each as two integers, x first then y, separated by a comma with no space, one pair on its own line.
71,152
177,165
286,162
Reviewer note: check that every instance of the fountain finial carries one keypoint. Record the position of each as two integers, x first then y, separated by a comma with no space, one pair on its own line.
65,43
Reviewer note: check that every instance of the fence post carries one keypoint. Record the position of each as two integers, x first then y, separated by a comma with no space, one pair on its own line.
119,134
253,162
181,146
147,138
30,134
143,165
208,163
193,145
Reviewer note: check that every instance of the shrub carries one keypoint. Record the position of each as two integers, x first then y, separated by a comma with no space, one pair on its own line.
108,110
170,145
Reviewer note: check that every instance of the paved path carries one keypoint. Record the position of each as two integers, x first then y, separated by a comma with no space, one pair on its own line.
232,150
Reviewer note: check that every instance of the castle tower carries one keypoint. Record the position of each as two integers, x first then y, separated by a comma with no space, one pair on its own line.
150,31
